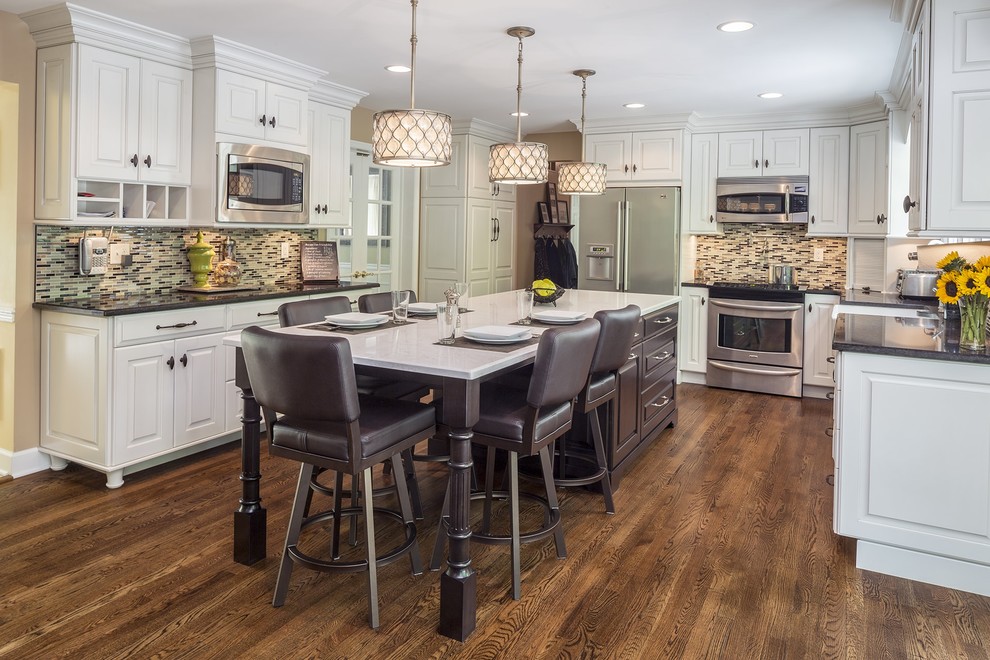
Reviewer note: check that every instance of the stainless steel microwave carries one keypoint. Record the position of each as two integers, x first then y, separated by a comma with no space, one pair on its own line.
262,185
778,199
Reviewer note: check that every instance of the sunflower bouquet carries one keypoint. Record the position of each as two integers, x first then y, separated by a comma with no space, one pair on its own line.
965,284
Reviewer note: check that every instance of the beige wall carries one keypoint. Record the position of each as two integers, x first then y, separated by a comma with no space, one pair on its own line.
562,146
361,119
19,343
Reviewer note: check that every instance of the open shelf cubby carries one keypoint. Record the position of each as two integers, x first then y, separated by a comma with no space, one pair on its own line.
110,200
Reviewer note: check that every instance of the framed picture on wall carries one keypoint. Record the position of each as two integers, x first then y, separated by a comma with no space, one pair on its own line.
562,212
544,213
552,208
552,195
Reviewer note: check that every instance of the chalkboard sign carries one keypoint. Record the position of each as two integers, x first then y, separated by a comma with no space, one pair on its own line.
318,261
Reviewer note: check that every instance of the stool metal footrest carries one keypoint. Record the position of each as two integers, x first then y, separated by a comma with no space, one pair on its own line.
330,565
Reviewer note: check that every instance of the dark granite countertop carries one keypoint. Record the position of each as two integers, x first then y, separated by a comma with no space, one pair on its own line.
925,338
117,305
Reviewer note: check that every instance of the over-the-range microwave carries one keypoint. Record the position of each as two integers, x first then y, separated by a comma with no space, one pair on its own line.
778,199
262,185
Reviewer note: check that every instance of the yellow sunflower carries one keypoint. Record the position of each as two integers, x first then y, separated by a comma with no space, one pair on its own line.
966,281
980,284
983,263
947,290
951,261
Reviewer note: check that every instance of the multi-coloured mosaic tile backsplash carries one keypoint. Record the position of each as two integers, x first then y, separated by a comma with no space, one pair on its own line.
744,252
159,262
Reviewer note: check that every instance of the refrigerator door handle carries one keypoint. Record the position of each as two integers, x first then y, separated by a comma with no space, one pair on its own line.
618,242
625,246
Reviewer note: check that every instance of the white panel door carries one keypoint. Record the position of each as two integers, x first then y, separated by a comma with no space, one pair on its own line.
240,105
449,180
740,154
615,151
504,248
828,190
818,330
287,112
200,407
142,401
478,151
166,124
692,328
481,238
785,153
109,93
868,179
701,191
656,155
330,165
441,247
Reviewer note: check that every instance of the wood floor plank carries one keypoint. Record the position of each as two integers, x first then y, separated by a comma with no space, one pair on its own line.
721,547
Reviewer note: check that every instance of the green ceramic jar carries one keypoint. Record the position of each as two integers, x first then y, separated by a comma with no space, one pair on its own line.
200,256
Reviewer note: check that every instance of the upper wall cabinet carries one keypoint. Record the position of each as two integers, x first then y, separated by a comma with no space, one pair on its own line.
645,156
764,153
955,132
828,182
261,110
701,184
467,174
330,153
868,213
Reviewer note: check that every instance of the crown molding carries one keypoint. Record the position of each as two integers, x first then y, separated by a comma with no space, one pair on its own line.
69,23
622,124
336,95
214,51
906,12
481,128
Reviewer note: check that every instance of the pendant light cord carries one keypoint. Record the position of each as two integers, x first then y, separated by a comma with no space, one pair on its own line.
584,94
412,58
519,94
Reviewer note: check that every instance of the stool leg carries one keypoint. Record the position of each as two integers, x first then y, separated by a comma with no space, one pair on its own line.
438,545
486,517
338,503
596,435
410,469
402,490
558,534
355,499
369,528
514,506
292,535
309,495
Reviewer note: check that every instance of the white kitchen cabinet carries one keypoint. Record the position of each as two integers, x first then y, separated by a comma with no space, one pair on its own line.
692,341
491,249
646,156
912,483
828,187
868,185
261,110
764,153
329,145
467,174
701,191
818,330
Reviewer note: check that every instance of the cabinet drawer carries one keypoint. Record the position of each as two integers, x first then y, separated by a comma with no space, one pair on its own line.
140,328
640,333
658,358
663,320
658,402
261,312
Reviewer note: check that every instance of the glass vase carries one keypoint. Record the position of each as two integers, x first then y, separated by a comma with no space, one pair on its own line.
973,323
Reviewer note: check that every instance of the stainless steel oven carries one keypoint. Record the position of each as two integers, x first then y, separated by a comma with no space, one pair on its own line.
756,339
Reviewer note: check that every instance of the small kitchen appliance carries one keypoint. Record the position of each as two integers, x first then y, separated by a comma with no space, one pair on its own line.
917,283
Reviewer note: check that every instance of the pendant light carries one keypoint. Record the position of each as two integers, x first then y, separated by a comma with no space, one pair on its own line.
581,178
518,162
411,138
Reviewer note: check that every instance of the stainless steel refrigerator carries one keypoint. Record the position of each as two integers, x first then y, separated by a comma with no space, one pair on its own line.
629,240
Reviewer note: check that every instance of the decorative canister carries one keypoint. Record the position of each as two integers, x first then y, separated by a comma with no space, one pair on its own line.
228,271
200,256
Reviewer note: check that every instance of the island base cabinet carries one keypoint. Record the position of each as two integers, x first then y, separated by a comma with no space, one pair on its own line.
916,485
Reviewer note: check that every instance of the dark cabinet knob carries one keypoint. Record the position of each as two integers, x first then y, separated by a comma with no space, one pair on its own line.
812,219
264,118
134,160
324,208
809,308
170,362
766,163
908,204
625,168
634,169
147,161
756,163
711,218
702,302
317,209
184,360
271,122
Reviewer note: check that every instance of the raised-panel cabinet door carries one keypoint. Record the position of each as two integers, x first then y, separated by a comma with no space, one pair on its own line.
868,179
480,242
200,407
692,343
818,329
142,401
626,409
704,171
287,113
441,246
615,151
504,247
109,94
785,153
740,154
449,180
329,165
478,155
828,190
241,105
656,155
166,124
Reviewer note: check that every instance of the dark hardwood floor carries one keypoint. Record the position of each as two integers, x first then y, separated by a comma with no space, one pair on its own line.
721,547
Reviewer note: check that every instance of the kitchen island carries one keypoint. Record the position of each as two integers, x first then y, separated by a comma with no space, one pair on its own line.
911,445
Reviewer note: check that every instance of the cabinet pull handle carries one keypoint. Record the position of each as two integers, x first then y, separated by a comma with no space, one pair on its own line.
147,161
134,160
666,354
830,359
908,204
632,356
883,218
275,313
828,431
666,400
664,321
177,325
756,164
812,219
634,168
324,208
264,119
170,362
830,396
184,360
711,218
809,308
272,121
498,229
635,335
766,163
625,168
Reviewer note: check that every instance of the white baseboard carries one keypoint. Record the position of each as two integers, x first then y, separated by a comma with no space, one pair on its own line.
694,377
923,567
22,463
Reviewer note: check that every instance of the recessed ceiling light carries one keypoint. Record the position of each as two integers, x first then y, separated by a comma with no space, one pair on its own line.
398,68
735,26
770,95
634,106
519,114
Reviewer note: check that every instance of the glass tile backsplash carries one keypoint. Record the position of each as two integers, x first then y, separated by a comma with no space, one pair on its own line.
158,256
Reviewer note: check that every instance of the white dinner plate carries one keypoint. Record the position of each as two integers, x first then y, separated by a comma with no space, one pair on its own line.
506,340
558,316
356,320
498,332
423,309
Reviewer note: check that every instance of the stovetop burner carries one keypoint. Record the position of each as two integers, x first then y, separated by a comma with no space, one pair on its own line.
756,291
771,286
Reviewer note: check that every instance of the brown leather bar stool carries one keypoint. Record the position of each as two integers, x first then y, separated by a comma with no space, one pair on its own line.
302,312
307,391
373,303
614,343
525,423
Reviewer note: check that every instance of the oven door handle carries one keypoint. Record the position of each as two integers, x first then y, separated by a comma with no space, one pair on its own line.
779,371
762,307
787,203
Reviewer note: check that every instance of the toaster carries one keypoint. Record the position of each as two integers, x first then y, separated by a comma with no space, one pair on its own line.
917,283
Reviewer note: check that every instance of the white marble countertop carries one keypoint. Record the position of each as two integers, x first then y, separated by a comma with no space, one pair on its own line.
413,348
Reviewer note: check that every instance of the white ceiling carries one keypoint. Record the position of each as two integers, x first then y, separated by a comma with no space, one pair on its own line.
822,55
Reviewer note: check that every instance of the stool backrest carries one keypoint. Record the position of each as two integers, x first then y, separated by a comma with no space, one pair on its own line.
311,311
373,303
616,337
310,378
563,361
